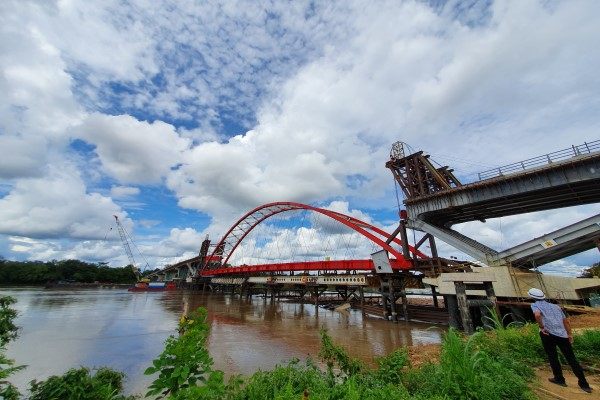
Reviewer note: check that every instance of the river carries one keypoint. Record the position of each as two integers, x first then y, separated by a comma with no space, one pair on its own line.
61,329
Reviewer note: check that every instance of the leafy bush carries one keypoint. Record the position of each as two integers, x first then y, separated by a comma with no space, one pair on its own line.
285,382
7,390
80,384
213,389
336,356
185,360
392,367
8,332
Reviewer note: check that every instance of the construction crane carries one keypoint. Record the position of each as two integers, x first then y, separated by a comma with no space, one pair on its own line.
125,239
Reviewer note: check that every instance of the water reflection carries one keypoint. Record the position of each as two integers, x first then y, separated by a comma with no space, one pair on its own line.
112,327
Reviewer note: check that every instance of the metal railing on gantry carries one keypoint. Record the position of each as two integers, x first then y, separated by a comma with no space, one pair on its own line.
560,155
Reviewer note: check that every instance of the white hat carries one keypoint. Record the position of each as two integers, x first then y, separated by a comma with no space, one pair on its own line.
537,294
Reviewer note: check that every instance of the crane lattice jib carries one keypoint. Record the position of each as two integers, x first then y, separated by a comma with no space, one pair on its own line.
125,241
236,234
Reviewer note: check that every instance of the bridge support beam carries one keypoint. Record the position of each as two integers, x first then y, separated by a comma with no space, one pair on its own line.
465,303
453,313
393,288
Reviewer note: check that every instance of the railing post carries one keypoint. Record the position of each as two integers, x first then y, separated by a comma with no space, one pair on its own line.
587,147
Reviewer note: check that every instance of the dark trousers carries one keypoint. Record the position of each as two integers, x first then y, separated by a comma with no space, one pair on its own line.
550,343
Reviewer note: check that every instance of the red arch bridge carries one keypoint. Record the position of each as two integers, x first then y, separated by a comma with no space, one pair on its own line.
219,260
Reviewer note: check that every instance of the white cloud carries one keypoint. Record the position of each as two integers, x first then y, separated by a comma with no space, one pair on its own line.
321,240
36,103
564,268
479,92
56,205
130,150
87,250
181,244
148,223
184,60
221,177
124,192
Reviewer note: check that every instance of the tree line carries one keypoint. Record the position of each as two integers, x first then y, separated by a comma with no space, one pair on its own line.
39,272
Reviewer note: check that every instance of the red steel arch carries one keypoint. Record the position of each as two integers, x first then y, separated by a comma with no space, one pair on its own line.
248,222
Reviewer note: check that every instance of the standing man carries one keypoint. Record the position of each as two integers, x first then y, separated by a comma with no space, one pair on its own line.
555,331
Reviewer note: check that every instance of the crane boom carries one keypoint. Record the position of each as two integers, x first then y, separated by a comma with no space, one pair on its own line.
126,246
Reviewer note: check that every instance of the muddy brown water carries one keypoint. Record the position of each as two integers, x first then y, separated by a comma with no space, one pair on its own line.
61,329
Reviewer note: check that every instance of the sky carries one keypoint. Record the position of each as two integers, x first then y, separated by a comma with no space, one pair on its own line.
180,116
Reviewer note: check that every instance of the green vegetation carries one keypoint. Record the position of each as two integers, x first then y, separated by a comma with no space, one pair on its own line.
587,347
185,360
8,332
80,384
592,272
38,272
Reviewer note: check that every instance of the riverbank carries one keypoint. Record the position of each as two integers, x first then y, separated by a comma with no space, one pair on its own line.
86,285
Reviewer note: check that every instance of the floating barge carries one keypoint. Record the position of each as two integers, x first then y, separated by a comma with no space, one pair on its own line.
153,287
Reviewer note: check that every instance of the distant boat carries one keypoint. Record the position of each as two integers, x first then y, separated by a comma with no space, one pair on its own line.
153,287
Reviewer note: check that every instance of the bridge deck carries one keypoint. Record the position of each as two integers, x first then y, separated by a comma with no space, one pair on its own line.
571,182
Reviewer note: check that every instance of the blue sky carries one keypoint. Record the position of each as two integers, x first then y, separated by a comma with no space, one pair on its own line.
181,116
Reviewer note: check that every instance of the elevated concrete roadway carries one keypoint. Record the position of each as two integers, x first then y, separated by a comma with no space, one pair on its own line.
180,271
571,182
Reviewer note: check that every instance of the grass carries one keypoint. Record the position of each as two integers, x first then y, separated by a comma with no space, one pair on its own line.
467,371
587,347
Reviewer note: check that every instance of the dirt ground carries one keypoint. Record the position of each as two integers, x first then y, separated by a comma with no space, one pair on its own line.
424,353
583,321
549,391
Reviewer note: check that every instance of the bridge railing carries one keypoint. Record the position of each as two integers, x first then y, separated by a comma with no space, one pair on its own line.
573,151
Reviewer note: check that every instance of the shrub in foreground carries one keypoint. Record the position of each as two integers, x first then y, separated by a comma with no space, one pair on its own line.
185,362
80,384
8,332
